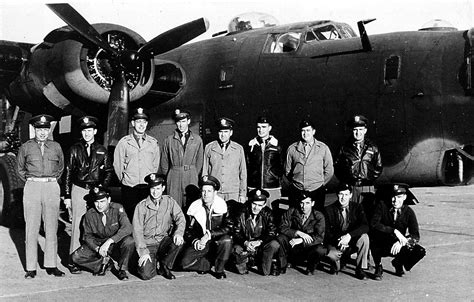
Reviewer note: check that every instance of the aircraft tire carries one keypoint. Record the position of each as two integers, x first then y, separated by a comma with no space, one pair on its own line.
11,193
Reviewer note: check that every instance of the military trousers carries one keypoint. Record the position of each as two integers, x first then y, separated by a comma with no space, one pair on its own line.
165,253
298,253
78,209
41,201
217,251
263,256
361,246
119,251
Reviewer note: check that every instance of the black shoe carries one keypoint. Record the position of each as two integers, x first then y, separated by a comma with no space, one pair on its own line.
275,269
220,275
378,272
103,268
30,274
165,272
335,268
398,268
55,272
310,270
360,274
122,275
74,269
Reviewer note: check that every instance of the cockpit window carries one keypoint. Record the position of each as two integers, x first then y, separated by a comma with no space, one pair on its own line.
283,42
329,32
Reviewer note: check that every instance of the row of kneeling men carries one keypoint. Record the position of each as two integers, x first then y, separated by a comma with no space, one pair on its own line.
212,232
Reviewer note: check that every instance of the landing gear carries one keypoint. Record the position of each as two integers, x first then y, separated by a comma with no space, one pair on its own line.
457,167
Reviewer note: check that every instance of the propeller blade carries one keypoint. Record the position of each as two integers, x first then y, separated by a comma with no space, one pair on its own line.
72,18
117,122
175,37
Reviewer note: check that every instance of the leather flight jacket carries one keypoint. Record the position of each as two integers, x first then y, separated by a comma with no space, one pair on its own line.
85,171
243,232
358,169
264,168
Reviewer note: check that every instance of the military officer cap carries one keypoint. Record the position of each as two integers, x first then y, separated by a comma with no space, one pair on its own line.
302,195
263,119
88,122
306,123
225,123
211,181
154,180
357,121
343,187
97,193
41,121
180,114
258,195
399,189
139,113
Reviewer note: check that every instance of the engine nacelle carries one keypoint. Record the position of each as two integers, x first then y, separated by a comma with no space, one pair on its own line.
72,74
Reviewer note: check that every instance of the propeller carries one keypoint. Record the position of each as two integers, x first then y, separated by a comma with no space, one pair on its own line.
123,60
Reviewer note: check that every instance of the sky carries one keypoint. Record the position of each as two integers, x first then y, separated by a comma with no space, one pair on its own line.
30,21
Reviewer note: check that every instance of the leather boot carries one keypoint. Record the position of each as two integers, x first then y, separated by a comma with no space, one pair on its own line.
165,272
378,272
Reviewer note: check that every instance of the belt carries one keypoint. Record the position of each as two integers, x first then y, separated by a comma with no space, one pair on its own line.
185,167
86,186
42,179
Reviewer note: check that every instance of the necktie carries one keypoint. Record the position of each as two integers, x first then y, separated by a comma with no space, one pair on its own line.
344,219
307,149
395,214
88,149
304,219
359,148
183,138
104,219
223,145
42,148
263,145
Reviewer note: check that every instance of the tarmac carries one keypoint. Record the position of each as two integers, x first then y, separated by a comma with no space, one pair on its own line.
445,216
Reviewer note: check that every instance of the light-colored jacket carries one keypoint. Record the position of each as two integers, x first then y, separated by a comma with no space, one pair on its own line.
132,163
312,172
152,222
182,166
228,167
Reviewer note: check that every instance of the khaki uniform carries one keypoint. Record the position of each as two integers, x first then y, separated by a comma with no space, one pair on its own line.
228,167
41,197
181,164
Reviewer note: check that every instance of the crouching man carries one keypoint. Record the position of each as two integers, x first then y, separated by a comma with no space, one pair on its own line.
158,228
302,233
389,237
346,231
107,233
208,231
253,235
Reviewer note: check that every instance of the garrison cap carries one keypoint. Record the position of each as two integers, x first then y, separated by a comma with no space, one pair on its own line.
225,123
343,187
88,122
306,123
41,121
211,181
139,113
97,193
154,179
180,114
258,195
357,121
263,119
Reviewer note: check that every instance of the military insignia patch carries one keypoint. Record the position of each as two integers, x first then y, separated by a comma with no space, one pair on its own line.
140,110
177,112
43,119
86,120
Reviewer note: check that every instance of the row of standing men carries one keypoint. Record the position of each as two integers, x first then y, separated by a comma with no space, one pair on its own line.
308,166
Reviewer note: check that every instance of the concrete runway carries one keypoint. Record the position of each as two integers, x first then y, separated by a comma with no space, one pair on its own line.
445,215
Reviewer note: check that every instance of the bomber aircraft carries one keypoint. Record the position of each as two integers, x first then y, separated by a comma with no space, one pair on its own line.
415,87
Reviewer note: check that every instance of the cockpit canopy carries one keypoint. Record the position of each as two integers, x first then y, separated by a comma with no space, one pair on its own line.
249,21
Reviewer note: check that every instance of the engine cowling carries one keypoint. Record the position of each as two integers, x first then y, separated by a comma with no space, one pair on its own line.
70,73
